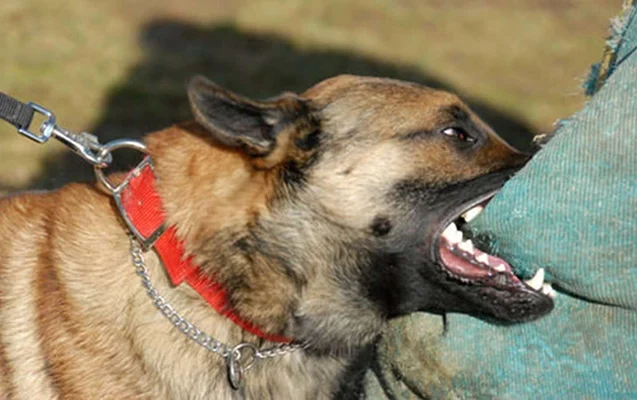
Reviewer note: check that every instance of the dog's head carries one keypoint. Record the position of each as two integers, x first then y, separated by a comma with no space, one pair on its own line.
369,176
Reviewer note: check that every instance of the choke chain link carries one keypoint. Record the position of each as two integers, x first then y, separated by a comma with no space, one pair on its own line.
233,355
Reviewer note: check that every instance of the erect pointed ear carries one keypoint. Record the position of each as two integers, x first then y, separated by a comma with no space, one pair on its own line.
238,122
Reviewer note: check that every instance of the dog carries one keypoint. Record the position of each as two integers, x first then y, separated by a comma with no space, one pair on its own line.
320,216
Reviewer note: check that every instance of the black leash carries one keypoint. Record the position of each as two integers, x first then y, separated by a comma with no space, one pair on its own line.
15,112
21,115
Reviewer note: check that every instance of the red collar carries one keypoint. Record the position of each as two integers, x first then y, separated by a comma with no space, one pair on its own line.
142,209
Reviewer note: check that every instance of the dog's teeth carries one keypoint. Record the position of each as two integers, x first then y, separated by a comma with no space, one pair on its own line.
548,290
500,268
537,280
452,234
483,258
458,237
450,231
472,213
467,246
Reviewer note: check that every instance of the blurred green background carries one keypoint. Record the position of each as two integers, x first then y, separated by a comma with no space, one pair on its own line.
117,68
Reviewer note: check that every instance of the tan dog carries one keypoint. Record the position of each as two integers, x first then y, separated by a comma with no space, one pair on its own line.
320,215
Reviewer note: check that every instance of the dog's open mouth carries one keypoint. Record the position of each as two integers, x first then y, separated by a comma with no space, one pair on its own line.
464,262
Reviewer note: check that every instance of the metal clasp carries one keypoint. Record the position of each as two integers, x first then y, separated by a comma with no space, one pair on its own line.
84,144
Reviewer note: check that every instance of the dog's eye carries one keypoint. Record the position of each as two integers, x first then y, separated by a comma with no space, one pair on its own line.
459,134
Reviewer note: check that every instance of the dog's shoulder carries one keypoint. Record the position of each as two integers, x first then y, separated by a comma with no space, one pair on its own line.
26,216
20,212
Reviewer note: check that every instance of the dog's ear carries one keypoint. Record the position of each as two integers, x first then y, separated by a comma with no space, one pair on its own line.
238,122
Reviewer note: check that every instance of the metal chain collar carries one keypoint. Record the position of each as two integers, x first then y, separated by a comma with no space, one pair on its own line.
239,358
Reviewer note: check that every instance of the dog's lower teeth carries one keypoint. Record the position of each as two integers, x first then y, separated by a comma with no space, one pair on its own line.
500,268
483,259
537,280
466,246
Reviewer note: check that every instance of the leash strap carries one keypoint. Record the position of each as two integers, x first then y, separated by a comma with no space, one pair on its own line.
15,112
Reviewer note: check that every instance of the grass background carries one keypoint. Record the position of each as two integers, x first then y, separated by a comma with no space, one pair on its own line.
117,68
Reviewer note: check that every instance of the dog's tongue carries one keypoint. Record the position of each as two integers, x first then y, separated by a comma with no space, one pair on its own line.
474,264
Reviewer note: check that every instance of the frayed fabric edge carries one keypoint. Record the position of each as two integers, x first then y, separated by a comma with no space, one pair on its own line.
602,70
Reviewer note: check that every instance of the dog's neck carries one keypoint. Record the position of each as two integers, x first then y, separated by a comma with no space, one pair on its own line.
223,212
214,206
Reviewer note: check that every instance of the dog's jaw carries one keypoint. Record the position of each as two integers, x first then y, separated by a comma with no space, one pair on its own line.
465,279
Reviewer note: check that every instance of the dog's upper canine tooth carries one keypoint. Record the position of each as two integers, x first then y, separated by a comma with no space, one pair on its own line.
472,213
537,280
467,246
483,258
452,234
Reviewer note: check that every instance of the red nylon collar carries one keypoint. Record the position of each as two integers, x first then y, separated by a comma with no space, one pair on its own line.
142,209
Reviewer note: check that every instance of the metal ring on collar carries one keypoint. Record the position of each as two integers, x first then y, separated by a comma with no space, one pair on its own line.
106,151
239,362
247,351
